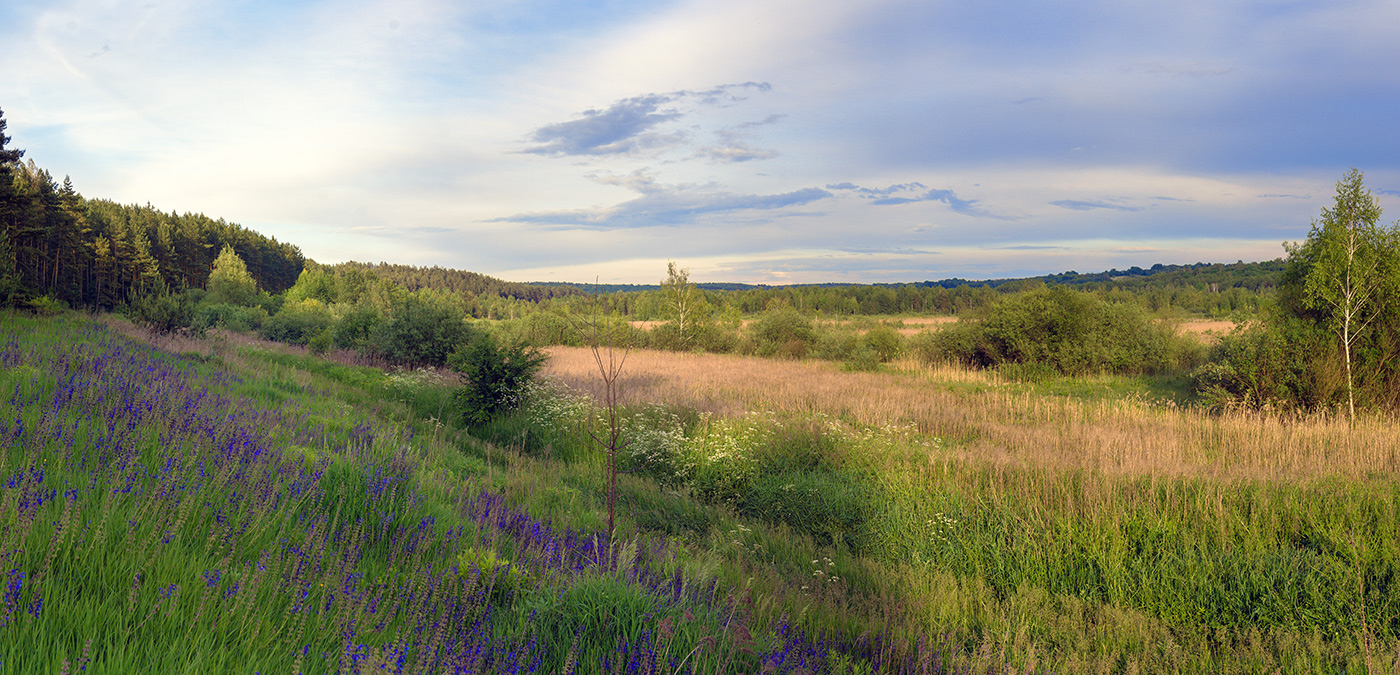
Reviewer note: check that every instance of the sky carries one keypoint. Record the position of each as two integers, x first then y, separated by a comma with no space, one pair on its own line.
759,141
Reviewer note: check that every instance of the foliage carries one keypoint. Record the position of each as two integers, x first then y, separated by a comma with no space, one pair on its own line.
783,332
236,318
689,313
47,305
422,332
1068,331
297,323
355,326
229,280
1341,282
1355,269
885,341
321,344
1260,364
163,312
495,375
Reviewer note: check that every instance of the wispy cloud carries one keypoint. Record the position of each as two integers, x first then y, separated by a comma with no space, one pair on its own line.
909,193
662,204
1078,205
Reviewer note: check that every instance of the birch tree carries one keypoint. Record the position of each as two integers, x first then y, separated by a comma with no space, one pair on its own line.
1354,272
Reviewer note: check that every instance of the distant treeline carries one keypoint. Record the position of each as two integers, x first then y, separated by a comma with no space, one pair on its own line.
1205,289
97,253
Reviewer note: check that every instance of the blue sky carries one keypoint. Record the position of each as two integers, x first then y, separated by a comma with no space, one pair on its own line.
764,141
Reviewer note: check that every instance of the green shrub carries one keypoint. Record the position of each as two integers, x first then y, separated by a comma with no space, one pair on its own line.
355,326
233,317
1280,361
886,342
321,344
420,333
47,305
496,376
784,333
163,313
539,329
297,323
1071,332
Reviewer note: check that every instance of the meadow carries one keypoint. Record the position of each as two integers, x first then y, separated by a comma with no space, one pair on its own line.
230,505
1088,524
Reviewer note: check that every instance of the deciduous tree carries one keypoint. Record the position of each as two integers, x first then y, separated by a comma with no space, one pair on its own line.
1354,272
229,280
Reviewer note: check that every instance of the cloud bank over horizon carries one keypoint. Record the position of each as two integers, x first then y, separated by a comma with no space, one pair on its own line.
892,140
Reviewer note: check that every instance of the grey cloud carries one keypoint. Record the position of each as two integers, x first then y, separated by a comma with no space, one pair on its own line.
626,127
876,192
1393,193
716,95
621,129
1283,196
1076,205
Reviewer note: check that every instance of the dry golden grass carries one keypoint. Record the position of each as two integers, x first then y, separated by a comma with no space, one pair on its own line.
1003,425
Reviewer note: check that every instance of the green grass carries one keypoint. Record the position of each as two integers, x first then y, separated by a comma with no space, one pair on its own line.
834,526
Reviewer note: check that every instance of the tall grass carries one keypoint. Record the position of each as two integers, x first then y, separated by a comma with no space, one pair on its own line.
1084,533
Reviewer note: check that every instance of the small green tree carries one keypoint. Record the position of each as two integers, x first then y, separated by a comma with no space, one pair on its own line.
685,304
1355,268
229,280
496,375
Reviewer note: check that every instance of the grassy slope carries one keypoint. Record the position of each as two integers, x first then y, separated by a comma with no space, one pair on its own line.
247,511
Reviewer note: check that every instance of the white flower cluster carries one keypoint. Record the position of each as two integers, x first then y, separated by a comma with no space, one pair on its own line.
656,440
407,381
553,408
940,527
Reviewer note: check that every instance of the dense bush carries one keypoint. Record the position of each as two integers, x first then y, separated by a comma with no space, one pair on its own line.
1273,361
496,374
1071,332
540,329
784,333
297,323
420,333
1333,338
162,312
233,317
355,326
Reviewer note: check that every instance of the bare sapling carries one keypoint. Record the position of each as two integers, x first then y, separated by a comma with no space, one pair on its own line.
610,346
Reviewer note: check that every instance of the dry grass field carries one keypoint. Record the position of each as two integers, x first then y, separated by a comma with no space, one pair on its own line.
1004,423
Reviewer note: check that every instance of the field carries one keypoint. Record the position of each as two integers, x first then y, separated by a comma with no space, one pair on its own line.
1092,523
230,505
